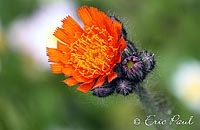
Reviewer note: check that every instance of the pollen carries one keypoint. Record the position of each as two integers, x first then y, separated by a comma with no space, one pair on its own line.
93,57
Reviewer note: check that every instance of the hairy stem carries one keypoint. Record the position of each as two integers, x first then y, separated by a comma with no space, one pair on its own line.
151,108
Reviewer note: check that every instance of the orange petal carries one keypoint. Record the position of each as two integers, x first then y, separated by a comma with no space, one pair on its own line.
71,26
118,27
65,58
54,54
85,87
111,29
85,15
100,18
59,55
122,43
56,68
61,35
68,70
118,58
79,77
62,47
112,76
70,81
100,81
52,50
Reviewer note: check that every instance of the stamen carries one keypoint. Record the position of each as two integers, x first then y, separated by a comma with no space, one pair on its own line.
93,57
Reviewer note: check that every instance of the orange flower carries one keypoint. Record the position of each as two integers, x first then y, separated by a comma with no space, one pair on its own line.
87,55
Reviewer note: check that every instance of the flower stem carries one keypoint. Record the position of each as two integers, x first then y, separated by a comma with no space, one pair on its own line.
151,107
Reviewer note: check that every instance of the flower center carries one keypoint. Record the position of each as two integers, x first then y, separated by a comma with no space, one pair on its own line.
130,64
133,68
91,54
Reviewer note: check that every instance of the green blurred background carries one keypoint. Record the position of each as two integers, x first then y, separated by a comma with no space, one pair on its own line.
35,99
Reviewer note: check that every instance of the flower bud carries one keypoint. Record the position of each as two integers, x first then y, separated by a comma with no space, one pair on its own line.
104,91
124,86
148,60
133,68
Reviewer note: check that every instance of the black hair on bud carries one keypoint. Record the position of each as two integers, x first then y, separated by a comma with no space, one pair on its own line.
148,60
105,90
124,86
130,50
